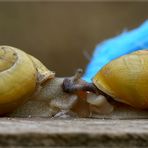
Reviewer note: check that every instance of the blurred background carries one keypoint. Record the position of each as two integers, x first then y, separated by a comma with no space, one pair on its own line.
63,34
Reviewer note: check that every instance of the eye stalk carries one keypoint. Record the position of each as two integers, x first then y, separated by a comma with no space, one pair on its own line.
75,84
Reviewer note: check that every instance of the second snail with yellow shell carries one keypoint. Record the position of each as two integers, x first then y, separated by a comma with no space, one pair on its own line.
28,88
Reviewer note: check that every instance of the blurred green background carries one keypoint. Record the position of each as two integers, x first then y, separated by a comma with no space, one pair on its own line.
63,34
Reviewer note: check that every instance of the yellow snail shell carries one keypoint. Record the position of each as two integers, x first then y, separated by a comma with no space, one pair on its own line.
126,79
20,74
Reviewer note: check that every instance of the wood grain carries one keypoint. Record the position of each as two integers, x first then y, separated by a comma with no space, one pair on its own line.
75,132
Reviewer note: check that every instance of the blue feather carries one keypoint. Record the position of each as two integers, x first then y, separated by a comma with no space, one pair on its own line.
113,48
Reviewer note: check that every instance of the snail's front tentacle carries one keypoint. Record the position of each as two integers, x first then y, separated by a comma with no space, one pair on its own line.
75,83
71,87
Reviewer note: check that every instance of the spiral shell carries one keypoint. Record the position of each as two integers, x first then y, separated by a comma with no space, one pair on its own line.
126,79
19,75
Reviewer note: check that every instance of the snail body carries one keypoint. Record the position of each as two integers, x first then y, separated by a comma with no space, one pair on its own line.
126,79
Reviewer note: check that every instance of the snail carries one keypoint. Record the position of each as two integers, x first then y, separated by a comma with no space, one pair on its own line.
124,79
28,88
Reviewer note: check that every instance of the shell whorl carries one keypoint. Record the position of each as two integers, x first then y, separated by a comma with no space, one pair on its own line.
19,75
125,79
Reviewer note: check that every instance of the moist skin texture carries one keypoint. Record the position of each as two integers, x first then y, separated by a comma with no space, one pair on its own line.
51,101
48,100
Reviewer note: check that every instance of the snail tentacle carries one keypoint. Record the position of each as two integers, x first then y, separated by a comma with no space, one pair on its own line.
75,83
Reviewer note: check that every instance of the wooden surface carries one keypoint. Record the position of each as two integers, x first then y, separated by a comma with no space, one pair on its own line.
80,133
